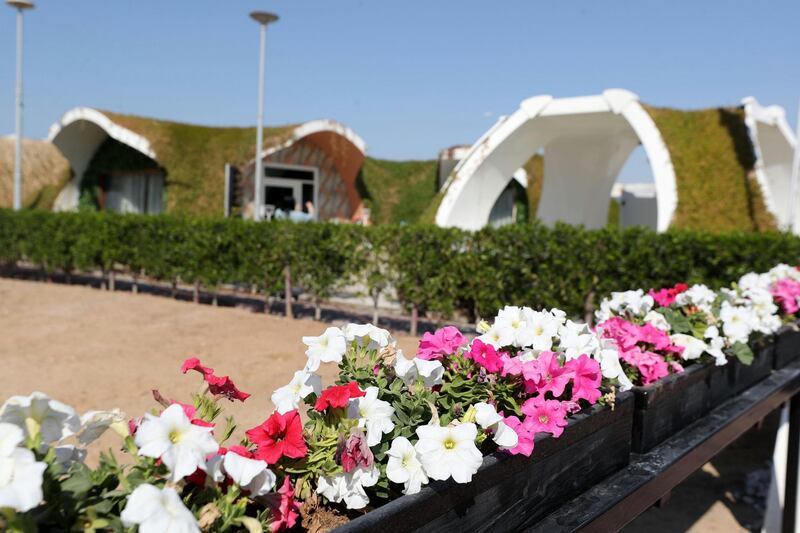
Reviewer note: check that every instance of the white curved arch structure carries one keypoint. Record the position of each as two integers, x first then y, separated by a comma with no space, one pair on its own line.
774,145
586,141
78,134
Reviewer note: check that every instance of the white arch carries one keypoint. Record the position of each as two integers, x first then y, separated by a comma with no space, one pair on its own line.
78,134
773,143
586,141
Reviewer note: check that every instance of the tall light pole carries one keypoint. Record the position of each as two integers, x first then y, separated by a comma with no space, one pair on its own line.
263,18
20,6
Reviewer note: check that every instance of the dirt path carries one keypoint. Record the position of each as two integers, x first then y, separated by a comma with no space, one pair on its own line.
97,350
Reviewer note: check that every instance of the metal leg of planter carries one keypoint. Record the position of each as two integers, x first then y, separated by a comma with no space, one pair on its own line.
792,463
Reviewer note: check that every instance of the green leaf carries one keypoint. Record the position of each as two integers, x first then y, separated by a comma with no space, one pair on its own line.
743,353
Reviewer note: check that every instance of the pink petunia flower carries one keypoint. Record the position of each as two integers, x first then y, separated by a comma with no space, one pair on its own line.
548,375
486,356
545,416
525,437
284,509
445,341
586,379
665,297
786,293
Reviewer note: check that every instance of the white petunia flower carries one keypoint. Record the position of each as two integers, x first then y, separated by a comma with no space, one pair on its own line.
409,370
252,475
327,348
11,436
349,486
38,413
95,423
699,296
576,340
287,398
539,328
487,417
20,473
20,480
693,348
635,303
181,445
367,335
498,336
737,322
157,510
373,414
657,320
611,368
511,321
450,451
404,467
68,454
715,345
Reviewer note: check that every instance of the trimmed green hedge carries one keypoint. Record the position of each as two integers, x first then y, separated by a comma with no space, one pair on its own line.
434,270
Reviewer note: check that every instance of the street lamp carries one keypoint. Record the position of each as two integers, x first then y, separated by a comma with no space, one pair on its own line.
20,6
263,18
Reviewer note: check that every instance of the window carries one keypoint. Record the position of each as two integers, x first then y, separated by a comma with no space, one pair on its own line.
287,186
135,193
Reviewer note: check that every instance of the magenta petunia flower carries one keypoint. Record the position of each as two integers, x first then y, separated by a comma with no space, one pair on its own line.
525,437
445,341
547,374
545,416
486,356
586,379
786,293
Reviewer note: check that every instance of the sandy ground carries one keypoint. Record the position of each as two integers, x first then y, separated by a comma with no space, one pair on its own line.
98,350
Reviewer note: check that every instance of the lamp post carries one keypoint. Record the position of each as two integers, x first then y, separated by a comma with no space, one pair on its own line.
263,18
20,6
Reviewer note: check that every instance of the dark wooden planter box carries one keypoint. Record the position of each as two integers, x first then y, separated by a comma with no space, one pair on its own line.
764,360
664,408
787,345
509,492
670,404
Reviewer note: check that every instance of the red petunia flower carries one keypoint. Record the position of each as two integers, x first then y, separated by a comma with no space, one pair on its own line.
338,396
284,509
218,386
280,435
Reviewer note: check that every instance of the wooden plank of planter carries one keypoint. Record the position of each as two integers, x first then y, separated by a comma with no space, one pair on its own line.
615,502
760,368
669,405
787,345
510,490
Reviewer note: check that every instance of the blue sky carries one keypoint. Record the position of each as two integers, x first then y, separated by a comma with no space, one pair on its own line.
410,77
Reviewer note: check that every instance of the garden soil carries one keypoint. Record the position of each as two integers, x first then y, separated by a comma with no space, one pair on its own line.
94,349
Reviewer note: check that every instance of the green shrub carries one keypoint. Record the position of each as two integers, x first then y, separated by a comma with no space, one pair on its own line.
438,271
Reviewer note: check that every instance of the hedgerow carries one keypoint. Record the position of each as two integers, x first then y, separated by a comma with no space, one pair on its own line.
434,271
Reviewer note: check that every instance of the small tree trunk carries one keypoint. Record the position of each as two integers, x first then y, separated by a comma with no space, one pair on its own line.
135,286
287,285
267,303
112,280
174,289
215,297
375,316
103,278
196,292
317,308
588,309
68,277
414,319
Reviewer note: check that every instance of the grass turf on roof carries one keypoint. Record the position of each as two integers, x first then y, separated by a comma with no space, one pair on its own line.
194,158
399,191
713,160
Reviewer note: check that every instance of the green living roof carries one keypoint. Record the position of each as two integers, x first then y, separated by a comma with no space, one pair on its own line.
713,159
194,157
